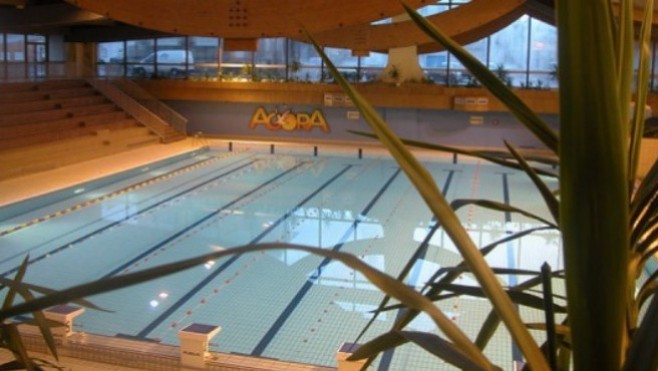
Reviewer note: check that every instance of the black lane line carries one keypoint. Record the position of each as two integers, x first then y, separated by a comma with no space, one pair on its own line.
96,200
156,322
138,204
92,233
308,284
387,357
516,352
198,222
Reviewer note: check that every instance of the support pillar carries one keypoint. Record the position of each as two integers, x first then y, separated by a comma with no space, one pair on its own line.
403,64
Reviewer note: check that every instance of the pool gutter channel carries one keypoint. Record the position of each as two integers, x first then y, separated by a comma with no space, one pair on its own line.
148,356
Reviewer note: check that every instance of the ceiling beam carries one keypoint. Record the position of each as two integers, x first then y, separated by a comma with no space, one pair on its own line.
467,23
44,17
243,18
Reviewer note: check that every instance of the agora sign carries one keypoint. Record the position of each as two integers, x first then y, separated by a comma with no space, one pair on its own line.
288,120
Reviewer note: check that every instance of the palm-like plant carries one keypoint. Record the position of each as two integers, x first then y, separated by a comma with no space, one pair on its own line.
609,232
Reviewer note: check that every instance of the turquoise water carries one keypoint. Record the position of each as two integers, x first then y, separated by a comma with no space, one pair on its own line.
287,305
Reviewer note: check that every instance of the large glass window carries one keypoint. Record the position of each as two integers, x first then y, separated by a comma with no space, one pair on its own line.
435,66
270,59
304,62
543,54
15,48
345,62
372,66
205,52
459,75
140,55
110,57
15,57
172,57
509,51
237,64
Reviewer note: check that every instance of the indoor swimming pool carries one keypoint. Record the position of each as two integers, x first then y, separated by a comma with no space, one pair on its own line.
286,305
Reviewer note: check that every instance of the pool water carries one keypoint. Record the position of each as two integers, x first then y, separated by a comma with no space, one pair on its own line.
288,304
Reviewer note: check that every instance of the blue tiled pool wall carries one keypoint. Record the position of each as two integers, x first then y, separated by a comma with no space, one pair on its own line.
449,127
18,208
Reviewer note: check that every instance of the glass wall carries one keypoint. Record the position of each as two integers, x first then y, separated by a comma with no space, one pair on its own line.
204,53
304,62
111,58
270,59
542,54
523,55
508,51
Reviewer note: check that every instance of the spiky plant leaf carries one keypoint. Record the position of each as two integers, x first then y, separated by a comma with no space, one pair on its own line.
550,199
499,206
384,282
442,349
593,184
428,190
490,81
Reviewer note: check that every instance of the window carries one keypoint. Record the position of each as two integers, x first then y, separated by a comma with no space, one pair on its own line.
205,51
344,61
509,49
110,58
237,64
304,62
270,59
172,57
372,66
140,55
543,54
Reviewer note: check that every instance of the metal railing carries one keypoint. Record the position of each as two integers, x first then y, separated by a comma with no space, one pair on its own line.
171,117
131,106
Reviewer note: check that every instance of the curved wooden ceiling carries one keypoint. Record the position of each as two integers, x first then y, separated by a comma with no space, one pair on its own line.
466,23
245,18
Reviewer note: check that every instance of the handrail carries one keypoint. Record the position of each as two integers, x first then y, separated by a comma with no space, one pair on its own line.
130,105
173,118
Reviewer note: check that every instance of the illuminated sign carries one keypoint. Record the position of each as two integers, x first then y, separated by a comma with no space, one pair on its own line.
288,120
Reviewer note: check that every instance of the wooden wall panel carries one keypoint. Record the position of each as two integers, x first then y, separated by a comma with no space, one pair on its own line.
423,96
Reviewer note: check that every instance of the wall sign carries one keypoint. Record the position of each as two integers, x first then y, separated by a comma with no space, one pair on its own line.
289,120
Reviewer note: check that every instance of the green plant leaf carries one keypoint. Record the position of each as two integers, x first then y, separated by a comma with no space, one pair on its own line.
643,350
496,158
593,184
401,276
637,126
377,345
434,344
498,206
645,192
428,190
517,296
45,291
490,81
41,322
12,338
550,200
12,365
559,329
625,60
488,329
384,282
409,314
11,294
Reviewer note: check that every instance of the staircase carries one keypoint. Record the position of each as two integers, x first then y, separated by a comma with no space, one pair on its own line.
45,125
